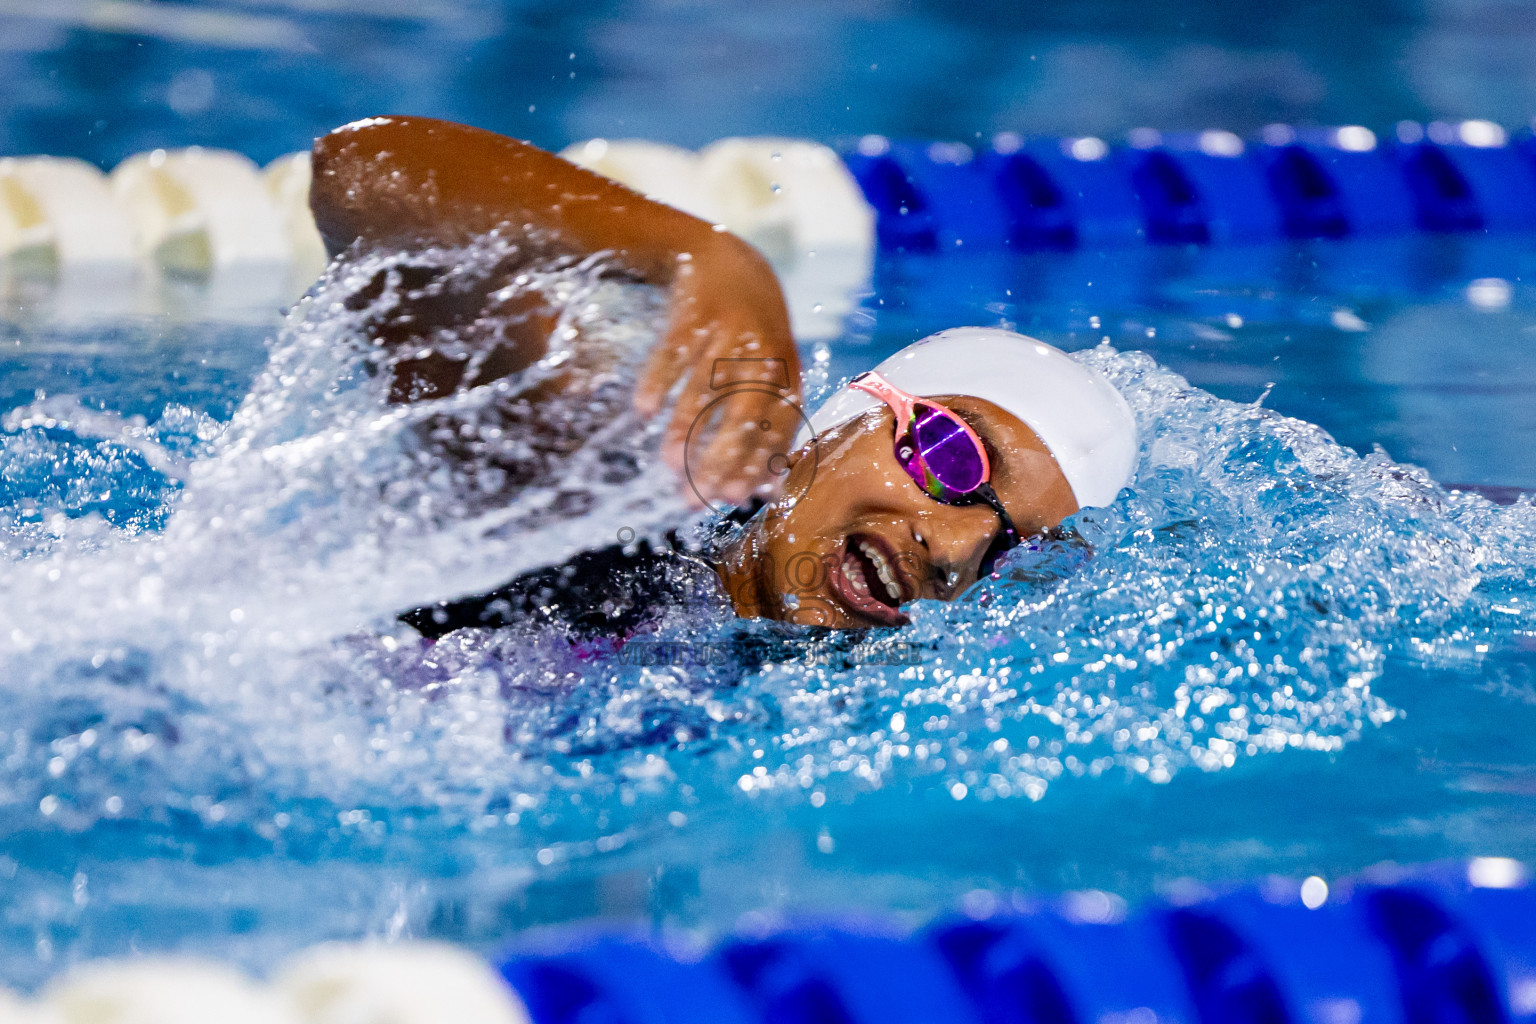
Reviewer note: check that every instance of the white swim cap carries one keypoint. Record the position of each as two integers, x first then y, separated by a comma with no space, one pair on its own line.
1073,408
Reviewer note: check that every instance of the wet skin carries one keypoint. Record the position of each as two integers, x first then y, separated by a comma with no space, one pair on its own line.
399,183
845,496
845,507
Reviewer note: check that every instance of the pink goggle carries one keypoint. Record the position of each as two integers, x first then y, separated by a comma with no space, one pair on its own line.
942,454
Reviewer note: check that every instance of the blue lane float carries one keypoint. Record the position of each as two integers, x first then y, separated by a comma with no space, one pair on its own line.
928,197
1459,187
1202,187
1049,967
608,979
1062,193
1334,182
1252,959
1197,188
1463,951
1446,944
844,975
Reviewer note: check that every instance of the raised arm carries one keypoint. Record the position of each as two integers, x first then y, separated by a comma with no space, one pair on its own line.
404,181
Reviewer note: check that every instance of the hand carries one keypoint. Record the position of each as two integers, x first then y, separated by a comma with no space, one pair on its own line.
729,341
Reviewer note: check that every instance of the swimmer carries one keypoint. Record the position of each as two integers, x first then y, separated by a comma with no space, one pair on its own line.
906,485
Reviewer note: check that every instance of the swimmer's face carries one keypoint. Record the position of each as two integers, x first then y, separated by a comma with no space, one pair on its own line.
853,539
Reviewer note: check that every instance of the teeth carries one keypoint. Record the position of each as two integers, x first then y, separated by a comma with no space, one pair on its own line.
855,574
883,568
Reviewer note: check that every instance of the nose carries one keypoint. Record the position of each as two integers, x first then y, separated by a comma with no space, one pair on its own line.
956,537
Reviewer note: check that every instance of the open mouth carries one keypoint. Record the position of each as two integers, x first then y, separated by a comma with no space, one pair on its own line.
867,582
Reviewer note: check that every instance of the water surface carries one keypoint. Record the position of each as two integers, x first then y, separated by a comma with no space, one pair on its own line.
1284,649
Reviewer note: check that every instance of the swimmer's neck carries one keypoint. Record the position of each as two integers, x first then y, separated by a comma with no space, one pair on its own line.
738,568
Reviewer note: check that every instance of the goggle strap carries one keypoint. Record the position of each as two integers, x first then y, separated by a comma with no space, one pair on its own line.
989,496
901,403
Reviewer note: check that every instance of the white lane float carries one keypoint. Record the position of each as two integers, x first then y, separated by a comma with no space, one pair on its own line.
794,200
337,983
161,991
788,197
60,212
408,983
798,204
197,232
196,211
62,229
205,216
667,174
287,182
15,1010
25,234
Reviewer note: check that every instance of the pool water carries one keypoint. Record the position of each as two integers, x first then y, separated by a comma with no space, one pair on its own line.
265,77
1286,649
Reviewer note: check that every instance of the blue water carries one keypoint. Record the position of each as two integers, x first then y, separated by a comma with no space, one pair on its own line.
1288,652
266,76
1278,653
